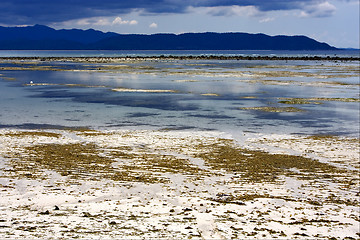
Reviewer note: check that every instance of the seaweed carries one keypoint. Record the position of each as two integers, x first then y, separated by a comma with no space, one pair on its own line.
261,166
274,109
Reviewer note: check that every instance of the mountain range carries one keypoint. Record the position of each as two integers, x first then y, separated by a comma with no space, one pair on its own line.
40,37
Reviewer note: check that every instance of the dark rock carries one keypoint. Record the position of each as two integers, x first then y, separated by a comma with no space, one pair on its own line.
86,214
45,213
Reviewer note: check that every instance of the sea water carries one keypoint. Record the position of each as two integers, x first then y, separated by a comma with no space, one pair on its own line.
222,95
144,53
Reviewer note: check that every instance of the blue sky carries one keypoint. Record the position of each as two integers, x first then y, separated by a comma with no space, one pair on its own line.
333,21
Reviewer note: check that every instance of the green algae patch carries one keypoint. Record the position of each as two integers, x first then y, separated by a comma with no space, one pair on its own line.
126,67
297,101
336,99
68,159
274,109
332,138
242,198
315,100
302,83
281,74
341,83
260,166
89,161
238,199
31,68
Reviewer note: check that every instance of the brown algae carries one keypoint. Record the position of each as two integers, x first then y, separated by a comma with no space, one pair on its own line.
127,163
74,160
315,100
297,101
274,109
256,165
33,134
86,160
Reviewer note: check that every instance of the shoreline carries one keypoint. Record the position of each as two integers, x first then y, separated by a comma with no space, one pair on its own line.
188,57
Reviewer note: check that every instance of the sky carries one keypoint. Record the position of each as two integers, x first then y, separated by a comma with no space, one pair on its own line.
335,22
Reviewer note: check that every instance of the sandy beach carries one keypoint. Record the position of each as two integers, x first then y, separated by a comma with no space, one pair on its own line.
177,184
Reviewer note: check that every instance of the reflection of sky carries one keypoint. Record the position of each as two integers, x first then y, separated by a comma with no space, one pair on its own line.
186,109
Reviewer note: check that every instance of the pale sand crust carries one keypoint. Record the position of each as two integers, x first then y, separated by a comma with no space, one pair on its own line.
194,204
143,90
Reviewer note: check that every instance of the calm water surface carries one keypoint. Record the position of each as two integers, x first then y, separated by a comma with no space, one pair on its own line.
122,53
187,94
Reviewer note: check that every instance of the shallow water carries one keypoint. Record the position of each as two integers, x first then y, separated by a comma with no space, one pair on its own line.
182,94
121,53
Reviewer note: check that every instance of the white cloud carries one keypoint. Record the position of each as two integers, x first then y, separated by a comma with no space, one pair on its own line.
81,22
118,20
91,21
323,9
153,25
102,22
247,11
265,20
133,22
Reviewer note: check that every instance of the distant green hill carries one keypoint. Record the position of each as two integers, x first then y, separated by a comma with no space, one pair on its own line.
41,37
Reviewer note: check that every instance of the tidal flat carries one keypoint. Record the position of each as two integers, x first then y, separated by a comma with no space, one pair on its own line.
179,148
177,184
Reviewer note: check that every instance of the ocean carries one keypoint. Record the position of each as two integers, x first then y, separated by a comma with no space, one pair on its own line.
142,53
290,97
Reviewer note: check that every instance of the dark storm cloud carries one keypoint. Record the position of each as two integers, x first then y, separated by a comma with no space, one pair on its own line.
50,11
